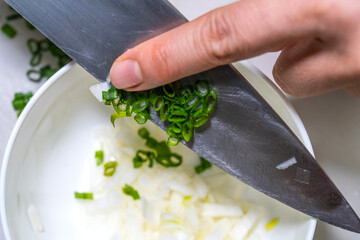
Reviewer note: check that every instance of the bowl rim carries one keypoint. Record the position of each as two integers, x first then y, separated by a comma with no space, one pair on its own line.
13,136
69,66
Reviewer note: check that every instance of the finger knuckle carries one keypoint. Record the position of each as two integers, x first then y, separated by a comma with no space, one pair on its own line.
217,34
161,62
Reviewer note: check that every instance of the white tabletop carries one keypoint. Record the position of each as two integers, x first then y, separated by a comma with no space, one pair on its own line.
331,121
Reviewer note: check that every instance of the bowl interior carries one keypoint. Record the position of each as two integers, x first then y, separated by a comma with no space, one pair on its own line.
48,150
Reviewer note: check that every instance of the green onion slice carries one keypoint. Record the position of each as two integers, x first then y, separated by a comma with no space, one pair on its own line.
204,164
13,17
191,102
128,190
143,133
187,130
99,156
176,127
142,117
110,168
85,196
200,120
202,88
34,75
210,101
35,59
178,116
164,111
173,140
111,94
169,90
8,30
140,105
33,46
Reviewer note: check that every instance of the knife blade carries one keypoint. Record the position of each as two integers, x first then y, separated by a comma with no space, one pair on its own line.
245,136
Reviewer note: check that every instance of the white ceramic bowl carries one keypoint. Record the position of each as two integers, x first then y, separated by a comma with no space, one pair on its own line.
46,152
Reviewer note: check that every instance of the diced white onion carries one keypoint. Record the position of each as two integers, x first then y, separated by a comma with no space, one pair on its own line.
97,90
34,219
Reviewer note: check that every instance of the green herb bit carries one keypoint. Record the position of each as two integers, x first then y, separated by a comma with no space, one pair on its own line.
142,117
35,59
86,196
47,71
143,133
203,165
128,190
34,75
99,156
110,168
111,94
20,101
8,30
13,16
143,156
270,225
33,46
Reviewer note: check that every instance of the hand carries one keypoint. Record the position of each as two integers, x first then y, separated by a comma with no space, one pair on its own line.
320,43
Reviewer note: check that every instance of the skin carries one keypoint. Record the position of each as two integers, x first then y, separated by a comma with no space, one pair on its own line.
319,42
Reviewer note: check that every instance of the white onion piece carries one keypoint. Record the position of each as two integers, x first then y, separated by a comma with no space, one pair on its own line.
221,210
97,90
34,219
246,223
220,231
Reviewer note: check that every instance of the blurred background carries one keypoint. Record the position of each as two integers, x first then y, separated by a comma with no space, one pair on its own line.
331,119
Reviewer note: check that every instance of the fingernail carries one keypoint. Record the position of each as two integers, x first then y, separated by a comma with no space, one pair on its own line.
125,74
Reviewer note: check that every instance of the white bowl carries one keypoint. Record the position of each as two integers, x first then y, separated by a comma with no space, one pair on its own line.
46,152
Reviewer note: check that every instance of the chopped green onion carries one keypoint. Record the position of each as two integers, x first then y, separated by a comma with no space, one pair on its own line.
86,196
44,44
164,111
20,100
210,101
200,120
178,116
109,168
176,127
187,130
173,140
111,94
99,156
270,225
35,59
202,88
13,17
142,117
203,165
158,102
169,90
128,190
33,46
140,105
151,143
8,30
199,108
143,133
191,102
34,75
142,157
47,71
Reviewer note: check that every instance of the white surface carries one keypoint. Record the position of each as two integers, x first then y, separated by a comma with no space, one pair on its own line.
47,150
331,120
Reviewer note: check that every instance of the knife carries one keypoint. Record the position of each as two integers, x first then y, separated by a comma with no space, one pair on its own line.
245,136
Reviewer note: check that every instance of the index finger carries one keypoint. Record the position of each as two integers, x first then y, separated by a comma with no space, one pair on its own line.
240,30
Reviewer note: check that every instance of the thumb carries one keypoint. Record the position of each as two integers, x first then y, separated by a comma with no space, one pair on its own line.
241,30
